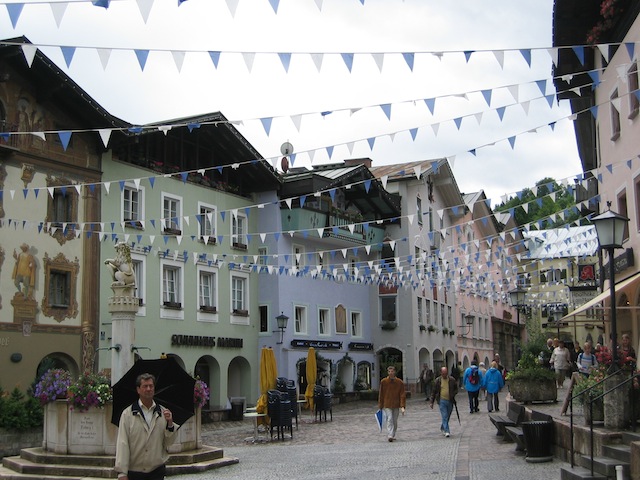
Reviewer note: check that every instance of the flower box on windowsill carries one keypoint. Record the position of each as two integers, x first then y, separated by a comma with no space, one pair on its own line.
172,231
423,328
172,305
239,246
431,328
445,331
240,313
209,241
137,224
388,325
208,309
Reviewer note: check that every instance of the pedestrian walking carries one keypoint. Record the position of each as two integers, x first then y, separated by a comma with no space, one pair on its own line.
444,393
493,383
561,361
483,391
472,379
145,432
426,379
392,400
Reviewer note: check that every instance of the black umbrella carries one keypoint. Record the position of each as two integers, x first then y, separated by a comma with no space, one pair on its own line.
455,405
174,388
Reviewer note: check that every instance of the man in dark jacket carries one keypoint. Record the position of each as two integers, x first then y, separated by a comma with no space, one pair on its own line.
444,393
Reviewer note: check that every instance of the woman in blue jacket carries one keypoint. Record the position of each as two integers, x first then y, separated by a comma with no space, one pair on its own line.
493,383
472,382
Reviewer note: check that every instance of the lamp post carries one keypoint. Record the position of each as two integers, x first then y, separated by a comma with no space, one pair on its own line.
557,315
610,228
281,320
518,297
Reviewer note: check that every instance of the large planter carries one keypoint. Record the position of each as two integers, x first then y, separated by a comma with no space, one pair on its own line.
598,411
68,431
527,391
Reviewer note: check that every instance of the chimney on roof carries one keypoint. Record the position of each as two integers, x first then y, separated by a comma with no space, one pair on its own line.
358,161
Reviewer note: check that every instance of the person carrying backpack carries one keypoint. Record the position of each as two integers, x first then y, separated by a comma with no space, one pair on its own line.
472,379
586,360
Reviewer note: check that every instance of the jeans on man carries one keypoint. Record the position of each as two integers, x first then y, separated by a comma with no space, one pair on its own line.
446,407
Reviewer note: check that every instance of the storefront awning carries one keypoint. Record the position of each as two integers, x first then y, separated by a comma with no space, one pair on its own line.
602,297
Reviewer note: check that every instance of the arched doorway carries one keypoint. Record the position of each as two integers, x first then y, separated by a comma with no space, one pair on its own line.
390,356
239,378
207,369
57,360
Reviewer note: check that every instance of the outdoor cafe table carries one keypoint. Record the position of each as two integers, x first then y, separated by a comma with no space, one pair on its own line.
255,416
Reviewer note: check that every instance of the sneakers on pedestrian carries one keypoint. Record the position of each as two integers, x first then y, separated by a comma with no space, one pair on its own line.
391,439
446,434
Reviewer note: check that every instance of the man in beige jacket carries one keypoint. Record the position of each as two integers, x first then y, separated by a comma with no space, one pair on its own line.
145,432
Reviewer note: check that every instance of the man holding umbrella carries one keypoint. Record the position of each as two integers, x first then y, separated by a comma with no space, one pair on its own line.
145,432
444,393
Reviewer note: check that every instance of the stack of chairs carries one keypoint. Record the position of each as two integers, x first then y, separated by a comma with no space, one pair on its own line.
322,402
279,411
288,387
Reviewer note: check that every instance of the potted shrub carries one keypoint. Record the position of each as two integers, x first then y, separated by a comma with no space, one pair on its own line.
431,328
592,388
531,381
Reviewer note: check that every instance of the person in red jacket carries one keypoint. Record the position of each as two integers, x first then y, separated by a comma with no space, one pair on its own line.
392,400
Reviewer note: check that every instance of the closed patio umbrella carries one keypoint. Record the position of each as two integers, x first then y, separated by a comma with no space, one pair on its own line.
312,373
268,375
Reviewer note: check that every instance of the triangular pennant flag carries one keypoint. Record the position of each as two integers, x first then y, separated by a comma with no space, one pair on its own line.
408,57
317,60
379,59
285,59
431,104
526,54
274,4
14,9
64,139
249,57
414,133
105,134
386,108
215,57
348,60
467,55
178,57
58,10
499,54
142,57
232,5
29,52
266,124
67,53
145,9
371,141
104,54
579,51
630,49
487,96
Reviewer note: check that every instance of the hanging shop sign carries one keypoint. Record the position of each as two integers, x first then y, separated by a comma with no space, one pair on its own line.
319,344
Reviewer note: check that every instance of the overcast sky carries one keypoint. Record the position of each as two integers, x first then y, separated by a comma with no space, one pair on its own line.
247,88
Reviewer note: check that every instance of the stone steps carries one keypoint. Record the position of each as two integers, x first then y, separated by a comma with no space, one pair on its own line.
613,454
37,464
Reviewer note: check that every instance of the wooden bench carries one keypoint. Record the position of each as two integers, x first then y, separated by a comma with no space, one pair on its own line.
515,415
515,432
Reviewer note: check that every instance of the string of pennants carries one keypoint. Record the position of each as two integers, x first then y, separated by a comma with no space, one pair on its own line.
65,136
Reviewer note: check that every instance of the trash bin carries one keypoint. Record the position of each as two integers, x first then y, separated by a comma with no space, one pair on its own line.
237,409
538,440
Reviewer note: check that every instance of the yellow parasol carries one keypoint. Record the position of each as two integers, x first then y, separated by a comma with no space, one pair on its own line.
268,375
312,373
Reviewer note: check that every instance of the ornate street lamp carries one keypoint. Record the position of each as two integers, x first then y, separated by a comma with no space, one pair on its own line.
610,229
518,298
281,320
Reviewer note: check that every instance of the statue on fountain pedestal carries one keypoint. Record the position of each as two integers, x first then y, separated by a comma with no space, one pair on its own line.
122,272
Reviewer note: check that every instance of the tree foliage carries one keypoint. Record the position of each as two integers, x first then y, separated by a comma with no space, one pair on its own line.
541,206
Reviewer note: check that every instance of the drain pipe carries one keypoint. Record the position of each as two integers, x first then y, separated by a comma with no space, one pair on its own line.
619,475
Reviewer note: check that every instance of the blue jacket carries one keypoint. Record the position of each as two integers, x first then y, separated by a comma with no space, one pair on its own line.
493,380
467,379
